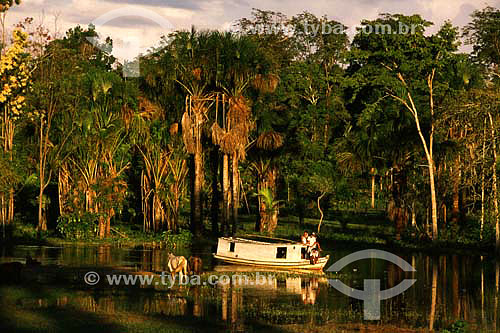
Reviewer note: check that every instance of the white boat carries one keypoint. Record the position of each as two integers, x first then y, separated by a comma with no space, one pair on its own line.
266,252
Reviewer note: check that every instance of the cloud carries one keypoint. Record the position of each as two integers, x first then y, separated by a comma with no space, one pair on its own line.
220,14
184,4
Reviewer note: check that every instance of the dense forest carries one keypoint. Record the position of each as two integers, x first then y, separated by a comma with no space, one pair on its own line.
255,121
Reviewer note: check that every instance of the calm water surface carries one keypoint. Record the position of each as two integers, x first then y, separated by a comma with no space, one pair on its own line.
449,289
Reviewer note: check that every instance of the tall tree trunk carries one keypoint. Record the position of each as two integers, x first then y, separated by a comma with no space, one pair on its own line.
192,124
372,171
102,227
215,192
258,216
42,223
433,200
2,212
8,136
146,205
157,212
236,192
413,215
10,217
428,147
272,221
177,207
495,189
225,194
197,225
59,192
455,211
396,208
482,180
107,227
445,212
191,189
320,211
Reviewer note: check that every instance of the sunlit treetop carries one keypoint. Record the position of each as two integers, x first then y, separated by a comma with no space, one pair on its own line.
14,74
483,33
6,4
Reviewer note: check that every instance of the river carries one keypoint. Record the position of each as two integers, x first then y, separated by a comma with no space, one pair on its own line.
450,292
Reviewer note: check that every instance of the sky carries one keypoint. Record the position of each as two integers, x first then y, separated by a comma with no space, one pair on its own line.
135,26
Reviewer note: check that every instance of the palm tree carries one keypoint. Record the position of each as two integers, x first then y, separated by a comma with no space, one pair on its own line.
177,78
268,142
268,210
195,72
236,58
194,118
205,64
99,158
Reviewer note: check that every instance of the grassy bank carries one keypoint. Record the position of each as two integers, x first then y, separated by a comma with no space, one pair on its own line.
346,229
121,235
369,229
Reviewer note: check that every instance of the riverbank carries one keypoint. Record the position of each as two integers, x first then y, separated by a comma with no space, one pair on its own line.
121,235
352,230
370,230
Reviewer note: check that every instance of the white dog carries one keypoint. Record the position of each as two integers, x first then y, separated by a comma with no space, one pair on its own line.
177,264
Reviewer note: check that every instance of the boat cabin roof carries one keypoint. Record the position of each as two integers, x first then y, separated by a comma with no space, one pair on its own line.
261,240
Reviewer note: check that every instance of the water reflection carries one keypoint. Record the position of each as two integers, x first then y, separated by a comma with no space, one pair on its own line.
448,289
432,315
310,291
497,281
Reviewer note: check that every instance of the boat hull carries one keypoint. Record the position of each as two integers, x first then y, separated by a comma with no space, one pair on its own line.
303,264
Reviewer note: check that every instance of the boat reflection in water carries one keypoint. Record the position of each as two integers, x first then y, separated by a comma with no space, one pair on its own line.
247,288
275,281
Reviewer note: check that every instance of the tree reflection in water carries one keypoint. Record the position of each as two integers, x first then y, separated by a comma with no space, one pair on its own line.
449,289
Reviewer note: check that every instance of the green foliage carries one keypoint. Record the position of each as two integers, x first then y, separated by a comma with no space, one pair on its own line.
78,227
183,239
266,194
325,117
459,326
482,34
9,177
20,232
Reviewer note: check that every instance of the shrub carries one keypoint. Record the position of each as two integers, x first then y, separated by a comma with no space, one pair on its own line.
77,226
182,239
457,327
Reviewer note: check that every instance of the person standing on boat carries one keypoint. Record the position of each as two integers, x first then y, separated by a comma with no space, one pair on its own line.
304,238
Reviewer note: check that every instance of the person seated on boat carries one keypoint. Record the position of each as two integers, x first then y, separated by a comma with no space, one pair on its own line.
314,256
312,243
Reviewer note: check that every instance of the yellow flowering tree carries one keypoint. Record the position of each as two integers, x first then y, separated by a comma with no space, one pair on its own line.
14,80
5,5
